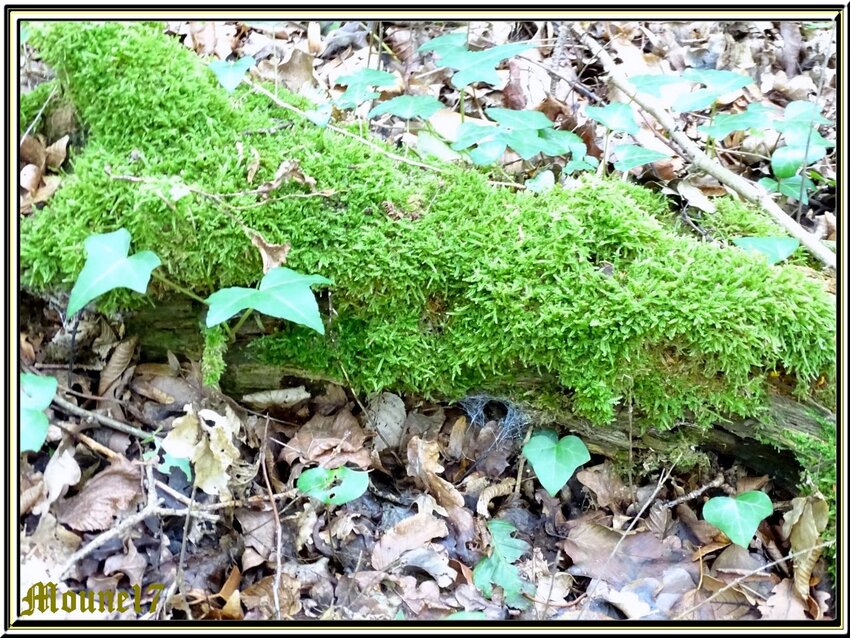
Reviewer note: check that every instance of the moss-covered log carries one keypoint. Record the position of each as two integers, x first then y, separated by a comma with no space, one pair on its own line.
575,301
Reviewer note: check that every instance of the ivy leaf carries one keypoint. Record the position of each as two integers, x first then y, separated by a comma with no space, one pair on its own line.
169,461
555,461
230,74
283,293
479,66
803,112
631,155
615,117
498,568
557,142
542,182
802,134
108,267
428,144
321,115
527,143
408,107
776,249
786,161
738,517
755,117
466,615
333,487
717,83
654,84
488,152
519,120
470,133
36,394
445,43
360,86
790,187
586,163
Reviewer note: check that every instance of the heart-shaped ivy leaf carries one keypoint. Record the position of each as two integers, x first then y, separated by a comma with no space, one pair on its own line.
321,115
108,267
36,394
230,74
717,83
786,161
654,85
630,155
519,120
283,293
738,517
776,249
555,461
445,43
479,66
615,116
333,487
360,86
408,106
755,117
542,182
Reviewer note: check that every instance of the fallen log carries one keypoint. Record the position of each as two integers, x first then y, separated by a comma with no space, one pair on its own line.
573,303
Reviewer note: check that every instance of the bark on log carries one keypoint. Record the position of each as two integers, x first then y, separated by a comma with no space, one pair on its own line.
174,325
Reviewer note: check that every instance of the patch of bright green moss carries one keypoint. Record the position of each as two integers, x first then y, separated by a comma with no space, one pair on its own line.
486,289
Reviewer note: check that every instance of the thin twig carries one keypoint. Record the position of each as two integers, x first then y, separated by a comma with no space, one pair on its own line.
741,579
661,480
277,532
101,418
739,184
40,113
717,482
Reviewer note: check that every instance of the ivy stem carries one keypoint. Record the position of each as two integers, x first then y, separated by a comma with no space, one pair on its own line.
188,293
239,323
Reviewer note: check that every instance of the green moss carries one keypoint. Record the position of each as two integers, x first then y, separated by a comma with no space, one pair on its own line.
487,289
212,362
32,102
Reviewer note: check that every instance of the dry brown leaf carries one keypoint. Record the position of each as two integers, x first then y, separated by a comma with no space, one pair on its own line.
56,153
32,151
30,178
606,486
132,564
287,170
260,596
385,415
433,560
294,70
494,491
208,38
410,533
423,464
31,487
273,255
106,495
330,441
285,398
117,364
454,450
783,604
728,604
703,530
49,185
802,526
61,472
258,530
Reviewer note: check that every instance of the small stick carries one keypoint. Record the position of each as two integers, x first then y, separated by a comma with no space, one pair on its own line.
101,418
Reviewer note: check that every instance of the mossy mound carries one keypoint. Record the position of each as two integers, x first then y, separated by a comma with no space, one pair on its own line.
585,291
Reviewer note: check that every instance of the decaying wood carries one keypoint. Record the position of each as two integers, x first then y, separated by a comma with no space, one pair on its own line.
174,325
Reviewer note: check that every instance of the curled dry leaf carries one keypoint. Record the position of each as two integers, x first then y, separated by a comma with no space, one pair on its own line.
273,255
330,441
606,486
494,491
410,533
783,604
285,398
385,415
254,166
132,564
30,178
117,364
294,70
107,494
260,596
56,153
802,526
61,472
287,170
32,151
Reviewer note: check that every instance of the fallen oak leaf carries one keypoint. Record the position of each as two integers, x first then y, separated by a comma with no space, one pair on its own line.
273,254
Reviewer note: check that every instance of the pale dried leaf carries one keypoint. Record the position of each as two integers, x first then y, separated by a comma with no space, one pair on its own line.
286,171
314,38
408,534
183,437
106,495
433,560
285,398
606,485
258,530
260,596
32,151
117,364
494,491
454,450
385,414
132,564
331,441
783,604
56,153
294,70
49,185
695,197
254,166
61,472
30,178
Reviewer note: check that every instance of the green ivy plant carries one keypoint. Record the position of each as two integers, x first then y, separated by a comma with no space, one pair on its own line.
36,394
775,249
108,267
230,74
361,86
498,568
333,487
553,460
738,517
